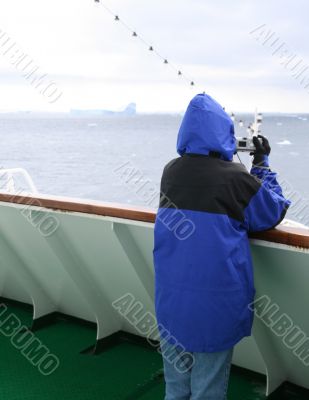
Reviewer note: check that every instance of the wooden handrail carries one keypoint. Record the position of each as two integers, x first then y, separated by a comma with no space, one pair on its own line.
137,213
297,237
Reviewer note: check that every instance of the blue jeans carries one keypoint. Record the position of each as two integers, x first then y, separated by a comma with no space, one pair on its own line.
195,376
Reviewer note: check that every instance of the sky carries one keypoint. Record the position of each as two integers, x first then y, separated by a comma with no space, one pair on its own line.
93,61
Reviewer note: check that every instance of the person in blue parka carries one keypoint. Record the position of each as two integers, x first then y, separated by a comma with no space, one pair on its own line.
203,267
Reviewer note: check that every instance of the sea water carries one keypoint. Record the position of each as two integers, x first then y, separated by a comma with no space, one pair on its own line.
86,156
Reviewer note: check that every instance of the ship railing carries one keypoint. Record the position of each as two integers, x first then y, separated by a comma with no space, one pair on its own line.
16,180
79,257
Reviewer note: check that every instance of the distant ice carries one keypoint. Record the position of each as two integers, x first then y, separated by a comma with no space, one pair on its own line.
284,142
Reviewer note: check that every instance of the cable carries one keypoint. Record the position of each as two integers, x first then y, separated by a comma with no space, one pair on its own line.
148,45
165,60
239,159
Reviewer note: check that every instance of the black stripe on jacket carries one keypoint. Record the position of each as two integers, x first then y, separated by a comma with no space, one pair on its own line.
202,183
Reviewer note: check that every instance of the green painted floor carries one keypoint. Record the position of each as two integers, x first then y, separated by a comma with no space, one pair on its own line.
125,372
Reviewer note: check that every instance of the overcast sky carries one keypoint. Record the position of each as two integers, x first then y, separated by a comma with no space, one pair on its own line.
96,63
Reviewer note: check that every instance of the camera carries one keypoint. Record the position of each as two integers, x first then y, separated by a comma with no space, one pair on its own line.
245,144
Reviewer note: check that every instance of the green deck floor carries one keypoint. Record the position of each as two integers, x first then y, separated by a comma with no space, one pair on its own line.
125,372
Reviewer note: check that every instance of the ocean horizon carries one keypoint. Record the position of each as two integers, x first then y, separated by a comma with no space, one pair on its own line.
78,156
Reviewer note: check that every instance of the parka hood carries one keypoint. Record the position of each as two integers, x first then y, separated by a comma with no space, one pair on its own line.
206,127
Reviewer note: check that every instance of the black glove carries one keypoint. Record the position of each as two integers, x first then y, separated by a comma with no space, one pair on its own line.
261,150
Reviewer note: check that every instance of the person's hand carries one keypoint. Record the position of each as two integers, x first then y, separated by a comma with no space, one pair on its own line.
261,150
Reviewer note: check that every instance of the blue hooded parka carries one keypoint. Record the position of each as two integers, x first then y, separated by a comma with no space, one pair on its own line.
208,205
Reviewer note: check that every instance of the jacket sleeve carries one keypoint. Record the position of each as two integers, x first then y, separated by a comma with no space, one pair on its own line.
268,206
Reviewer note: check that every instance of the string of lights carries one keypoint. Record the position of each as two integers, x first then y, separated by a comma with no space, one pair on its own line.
149,46
252,127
